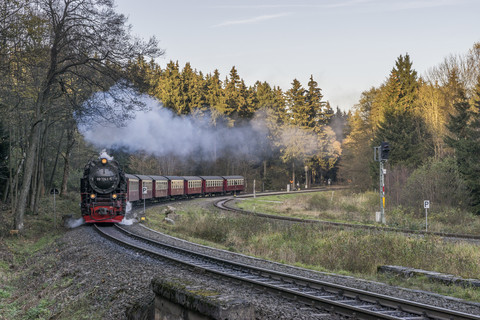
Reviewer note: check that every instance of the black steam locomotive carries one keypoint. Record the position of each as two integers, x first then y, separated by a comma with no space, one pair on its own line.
103,191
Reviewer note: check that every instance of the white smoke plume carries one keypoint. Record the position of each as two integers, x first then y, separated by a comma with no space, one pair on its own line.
105,155
72,223
159,131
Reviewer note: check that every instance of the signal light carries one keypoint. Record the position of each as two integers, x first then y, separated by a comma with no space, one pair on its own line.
104,161
384,150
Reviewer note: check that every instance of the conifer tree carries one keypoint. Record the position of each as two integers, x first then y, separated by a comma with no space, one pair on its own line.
464,138
296,105
314,116
170,88
402,126
235,93
264,94
248,102
215,96
279,105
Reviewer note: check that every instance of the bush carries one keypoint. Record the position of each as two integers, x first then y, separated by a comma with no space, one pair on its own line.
438,181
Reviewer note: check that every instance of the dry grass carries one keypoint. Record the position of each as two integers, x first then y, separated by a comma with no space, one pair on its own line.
356,252
343,206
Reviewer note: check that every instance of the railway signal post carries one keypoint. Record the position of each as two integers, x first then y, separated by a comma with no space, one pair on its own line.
144,191
381,155
426,205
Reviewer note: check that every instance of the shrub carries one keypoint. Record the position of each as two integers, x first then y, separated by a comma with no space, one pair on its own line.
437,181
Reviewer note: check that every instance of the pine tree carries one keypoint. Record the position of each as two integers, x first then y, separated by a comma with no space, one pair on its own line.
170,88
264,94
315,115
279,105
232,85
401,125
410,142
464,126
248,102
215,96
406,83
296,105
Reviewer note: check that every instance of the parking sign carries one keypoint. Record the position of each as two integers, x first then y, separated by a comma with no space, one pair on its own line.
426,204
144,190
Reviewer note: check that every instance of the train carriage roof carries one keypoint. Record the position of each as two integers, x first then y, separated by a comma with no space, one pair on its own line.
157,178
131,176
189,178
232,177
211,177
174,178
143,177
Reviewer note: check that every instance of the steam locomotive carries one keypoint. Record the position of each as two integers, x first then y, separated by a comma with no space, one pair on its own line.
106,189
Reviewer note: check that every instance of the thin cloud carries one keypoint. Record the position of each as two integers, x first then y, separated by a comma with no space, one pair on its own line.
394,5
330,4
258,19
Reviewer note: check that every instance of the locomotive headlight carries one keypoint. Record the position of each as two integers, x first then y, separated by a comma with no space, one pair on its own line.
104,161
114,196
92,196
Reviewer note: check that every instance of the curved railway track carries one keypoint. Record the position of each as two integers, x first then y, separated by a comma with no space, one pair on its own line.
335,298
222,204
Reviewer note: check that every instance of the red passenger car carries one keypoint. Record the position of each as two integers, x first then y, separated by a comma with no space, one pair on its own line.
193,186
233,184
176,188
160,187
145,182
133,183
212,185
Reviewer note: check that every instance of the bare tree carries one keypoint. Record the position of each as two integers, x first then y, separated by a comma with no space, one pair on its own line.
80,47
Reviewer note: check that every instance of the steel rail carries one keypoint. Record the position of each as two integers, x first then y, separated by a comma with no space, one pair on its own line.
334,298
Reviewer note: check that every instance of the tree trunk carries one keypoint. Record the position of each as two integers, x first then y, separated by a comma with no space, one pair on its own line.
50,183
33,188
27,176
40,178
68,153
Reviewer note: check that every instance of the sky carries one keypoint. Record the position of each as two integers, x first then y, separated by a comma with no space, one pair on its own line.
348,46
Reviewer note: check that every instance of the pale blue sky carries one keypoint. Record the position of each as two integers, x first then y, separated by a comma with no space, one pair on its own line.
347,45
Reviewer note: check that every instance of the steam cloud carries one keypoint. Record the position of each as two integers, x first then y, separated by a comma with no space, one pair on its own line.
160,132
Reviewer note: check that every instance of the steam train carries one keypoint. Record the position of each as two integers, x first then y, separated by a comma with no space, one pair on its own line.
106,189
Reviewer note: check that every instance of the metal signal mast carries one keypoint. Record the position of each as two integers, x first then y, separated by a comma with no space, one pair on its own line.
380,154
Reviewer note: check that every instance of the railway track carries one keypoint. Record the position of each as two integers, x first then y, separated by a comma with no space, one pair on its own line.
332,297
223,205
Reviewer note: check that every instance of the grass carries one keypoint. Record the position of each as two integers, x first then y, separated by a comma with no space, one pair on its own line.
343,206
351,252
18,299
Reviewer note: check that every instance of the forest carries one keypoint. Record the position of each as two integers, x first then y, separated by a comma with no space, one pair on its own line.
71,67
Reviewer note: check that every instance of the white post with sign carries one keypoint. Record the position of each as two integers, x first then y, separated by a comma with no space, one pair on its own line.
144,191
426,205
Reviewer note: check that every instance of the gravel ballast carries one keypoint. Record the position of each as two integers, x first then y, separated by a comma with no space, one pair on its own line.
89,277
